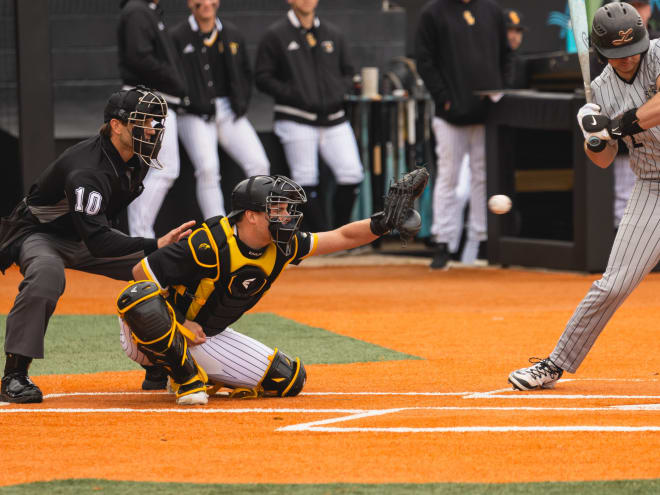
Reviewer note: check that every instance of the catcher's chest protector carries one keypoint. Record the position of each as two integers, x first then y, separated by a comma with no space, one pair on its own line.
239,280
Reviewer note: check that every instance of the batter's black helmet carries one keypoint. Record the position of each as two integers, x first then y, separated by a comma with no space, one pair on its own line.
618,31
261,193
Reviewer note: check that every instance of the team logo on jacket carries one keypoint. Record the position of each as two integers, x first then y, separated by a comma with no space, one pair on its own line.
469,18
651,91
293,46
328,46
189,48
233,47
626,37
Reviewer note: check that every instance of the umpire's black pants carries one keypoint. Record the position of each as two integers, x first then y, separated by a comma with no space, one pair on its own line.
42,260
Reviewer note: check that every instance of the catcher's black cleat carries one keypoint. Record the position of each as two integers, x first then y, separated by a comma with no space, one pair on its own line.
18,388
155,378
440,257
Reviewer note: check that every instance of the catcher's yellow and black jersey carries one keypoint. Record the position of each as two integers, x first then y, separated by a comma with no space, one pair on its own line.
213,277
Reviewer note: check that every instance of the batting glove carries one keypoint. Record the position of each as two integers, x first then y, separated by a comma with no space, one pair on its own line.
590,109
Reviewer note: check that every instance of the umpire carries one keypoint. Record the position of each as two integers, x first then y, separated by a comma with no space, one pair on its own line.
66,221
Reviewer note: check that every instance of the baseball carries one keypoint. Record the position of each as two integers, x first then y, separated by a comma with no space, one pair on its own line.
499,204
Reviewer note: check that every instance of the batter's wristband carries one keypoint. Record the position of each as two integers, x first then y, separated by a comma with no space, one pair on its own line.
628,124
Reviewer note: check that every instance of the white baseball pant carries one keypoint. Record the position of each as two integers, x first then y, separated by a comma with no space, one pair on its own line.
230,357
452,143
337,145
236,136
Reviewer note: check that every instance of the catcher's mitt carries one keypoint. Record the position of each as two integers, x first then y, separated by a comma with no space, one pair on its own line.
398,213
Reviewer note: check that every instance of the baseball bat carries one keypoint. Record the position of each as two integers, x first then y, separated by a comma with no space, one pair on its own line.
581,34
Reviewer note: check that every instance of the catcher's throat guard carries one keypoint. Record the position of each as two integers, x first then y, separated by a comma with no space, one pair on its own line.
159,336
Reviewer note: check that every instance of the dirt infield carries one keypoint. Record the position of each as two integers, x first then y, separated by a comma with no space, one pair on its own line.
448,417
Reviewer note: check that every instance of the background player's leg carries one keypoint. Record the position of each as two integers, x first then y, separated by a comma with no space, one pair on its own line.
200,139
239,139
300,143
463,195
477,219
339,150
451,146
143,211
636,250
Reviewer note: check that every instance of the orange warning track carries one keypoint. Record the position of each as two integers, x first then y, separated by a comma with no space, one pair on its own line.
447,417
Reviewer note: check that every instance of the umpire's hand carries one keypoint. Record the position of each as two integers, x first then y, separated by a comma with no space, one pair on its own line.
174,235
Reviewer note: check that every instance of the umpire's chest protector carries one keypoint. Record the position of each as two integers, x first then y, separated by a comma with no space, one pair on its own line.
239,282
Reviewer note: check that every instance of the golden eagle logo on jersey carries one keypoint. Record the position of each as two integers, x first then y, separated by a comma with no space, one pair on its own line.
626,37
469,18
328,46
311,39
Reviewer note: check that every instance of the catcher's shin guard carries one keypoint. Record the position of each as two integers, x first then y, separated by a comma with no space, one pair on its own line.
158,335
285,377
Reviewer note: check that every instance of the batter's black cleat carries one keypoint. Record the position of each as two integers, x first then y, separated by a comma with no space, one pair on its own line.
155,378
18,388
440,257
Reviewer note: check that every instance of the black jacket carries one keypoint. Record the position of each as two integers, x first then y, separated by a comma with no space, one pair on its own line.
198,74
462,48
78,197
146,53
308,84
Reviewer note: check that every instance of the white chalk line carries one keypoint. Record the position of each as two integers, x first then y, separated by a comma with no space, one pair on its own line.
482,429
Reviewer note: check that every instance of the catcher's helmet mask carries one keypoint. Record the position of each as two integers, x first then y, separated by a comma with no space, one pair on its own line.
618,31
136,106
268,193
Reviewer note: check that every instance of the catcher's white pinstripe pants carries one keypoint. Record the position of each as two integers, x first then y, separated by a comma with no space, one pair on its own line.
230,357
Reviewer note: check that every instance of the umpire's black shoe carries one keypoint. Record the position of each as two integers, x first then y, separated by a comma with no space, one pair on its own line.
17,387
155,378
440,257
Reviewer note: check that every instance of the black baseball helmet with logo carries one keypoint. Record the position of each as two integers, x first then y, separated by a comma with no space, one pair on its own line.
618,31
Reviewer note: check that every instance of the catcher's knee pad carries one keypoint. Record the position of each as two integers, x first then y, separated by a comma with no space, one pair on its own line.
285,377
155,330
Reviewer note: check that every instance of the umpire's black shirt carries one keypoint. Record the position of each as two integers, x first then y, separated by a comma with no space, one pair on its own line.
79,195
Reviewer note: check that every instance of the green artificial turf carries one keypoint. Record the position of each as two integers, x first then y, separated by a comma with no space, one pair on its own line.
90,343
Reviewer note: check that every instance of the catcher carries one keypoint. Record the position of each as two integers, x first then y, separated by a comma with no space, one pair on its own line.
178,313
